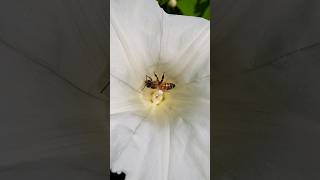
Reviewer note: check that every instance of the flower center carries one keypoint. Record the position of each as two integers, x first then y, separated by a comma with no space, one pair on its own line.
157,97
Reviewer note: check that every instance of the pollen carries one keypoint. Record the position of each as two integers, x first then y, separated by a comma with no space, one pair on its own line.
157,97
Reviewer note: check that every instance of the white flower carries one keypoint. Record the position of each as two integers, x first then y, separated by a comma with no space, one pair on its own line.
163,137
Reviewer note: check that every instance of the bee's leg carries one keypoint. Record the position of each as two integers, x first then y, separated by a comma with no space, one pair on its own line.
156,77
143,88
162,78
148,77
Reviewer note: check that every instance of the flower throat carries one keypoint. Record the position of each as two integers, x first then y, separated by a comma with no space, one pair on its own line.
158,88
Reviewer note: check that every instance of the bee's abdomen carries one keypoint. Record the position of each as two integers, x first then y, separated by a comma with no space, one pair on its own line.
167,86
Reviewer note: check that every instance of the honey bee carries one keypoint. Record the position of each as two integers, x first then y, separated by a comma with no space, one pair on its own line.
163,86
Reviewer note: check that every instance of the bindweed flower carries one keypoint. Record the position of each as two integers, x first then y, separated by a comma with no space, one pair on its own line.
159,134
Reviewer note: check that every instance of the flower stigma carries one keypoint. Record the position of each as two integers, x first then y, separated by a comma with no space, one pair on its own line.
154,97
157,97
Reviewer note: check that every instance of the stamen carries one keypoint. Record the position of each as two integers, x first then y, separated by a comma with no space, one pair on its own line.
157,97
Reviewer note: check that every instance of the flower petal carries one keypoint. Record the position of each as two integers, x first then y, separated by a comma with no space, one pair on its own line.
185,50
137,147
124,98
189,144
136,29
178,149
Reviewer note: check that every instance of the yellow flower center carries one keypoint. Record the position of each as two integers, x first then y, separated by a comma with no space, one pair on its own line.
154,97
158,104
157,97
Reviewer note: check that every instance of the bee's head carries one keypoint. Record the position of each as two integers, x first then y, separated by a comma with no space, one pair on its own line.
148,83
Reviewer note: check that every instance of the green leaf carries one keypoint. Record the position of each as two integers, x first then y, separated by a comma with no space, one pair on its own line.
162,2
207,13
199,8
187,7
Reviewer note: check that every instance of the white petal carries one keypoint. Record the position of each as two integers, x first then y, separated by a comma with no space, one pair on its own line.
124,97
136,28
190,149
185,50
178,149
139,148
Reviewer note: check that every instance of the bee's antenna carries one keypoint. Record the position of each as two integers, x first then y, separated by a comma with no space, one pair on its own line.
156,76
162,78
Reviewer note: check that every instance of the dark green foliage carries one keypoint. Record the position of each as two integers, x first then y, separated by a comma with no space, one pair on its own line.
200,8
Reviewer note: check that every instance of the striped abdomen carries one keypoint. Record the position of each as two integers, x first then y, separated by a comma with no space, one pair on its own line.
166,86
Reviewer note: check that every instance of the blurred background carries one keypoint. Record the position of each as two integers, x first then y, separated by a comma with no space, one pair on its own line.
266,90
199,8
